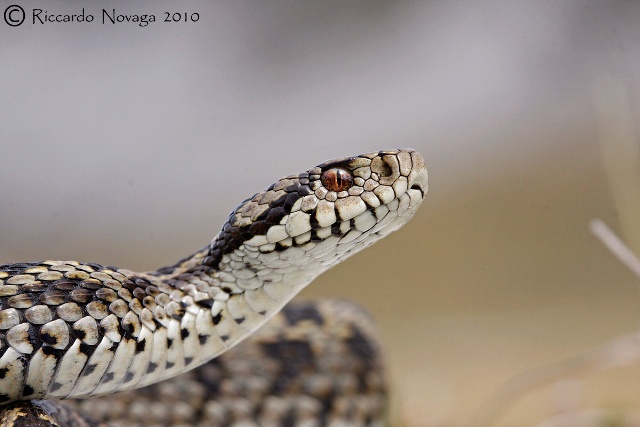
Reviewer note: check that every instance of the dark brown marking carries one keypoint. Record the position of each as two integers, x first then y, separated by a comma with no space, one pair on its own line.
297,353
303,312
34,287
259,228
95,266
48,338
79,333
85,349
81,295
361,346
48,351
65,285
139,293
129,285
91,285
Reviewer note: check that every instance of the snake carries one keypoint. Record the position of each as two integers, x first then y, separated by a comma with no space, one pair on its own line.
72,330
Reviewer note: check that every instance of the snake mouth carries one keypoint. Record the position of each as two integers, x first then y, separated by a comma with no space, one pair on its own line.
417,187
418,177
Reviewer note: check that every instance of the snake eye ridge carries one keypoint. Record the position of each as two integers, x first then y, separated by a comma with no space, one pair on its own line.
337,179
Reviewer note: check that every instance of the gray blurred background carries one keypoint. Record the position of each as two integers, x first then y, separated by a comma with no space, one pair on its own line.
129,145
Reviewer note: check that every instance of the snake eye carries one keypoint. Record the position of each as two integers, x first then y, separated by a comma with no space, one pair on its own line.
336,179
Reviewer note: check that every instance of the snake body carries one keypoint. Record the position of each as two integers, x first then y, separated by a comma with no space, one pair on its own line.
73,330
315,363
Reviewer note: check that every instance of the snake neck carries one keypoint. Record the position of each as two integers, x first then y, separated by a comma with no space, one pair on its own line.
244,289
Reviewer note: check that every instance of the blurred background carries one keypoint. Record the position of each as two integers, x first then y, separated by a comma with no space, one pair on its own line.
129,145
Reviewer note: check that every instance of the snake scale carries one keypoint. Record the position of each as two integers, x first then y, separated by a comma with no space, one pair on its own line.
77,330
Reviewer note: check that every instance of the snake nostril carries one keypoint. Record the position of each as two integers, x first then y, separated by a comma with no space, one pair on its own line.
385,170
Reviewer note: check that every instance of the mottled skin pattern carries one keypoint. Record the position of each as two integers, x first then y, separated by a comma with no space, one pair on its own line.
70,329
314,363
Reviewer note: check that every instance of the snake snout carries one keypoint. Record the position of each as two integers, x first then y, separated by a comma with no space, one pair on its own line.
420,183
418,177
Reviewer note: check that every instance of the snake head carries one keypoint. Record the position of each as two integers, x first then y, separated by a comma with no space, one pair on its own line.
307,222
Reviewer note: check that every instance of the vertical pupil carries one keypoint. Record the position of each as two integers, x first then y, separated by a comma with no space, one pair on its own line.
336,179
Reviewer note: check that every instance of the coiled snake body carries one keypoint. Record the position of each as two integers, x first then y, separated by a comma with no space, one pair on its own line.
74,330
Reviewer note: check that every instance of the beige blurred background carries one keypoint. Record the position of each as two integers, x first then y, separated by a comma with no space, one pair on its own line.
128,146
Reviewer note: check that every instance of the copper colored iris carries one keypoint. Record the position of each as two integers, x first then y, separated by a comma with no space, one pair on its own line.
337,179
